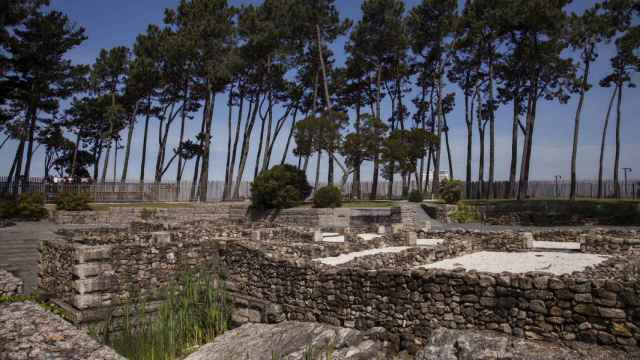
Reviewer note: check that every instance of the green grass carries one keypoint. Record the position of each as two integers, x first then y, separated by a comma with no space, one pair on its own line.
101,206
549,200
194,313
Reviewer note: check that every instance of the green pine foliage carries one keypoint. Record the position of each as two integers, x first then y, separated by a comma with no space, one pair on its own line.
451,190
415,196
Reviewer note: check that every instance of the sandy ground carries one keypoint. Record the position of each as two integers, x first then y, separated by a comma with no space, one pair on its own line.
369,236
496,262
556,245
429,242
345,258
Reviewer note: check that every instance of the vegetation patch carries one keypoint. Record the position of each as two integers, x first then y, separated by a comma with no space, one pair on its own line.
280,187
465,214
451,191
73,201
415,196
194,313
49,306
27,206
327,197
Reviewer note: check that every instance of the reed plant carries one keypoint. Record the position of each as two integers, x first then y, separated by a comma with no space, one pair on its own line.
194,313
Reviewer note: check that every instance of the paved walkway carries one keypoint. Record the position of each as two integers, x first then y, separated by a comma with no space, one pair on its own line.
19,250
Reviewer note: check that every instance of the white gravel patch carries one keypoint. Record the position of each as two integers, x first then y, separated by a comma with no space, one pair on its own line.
369,236
333,239
556,245
429,242
345,258
496,262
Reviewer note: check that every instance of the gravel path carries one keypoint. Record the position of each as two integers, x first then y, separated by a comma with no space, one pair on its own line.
345,258
496,262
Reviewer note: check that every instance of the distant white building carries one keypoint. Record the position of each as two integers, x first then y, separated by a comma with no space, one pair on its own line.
444,175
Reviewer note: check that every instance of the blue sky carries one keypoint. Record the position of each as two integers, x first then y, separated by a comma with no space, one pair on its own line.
118,22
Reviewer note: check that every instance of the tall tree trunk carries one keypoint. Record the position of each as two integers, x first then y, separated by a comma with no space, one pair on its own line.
323,68
227,172
196,168
111,125
232,166
245,145
374,183
603,143
616,164
115,161
446,140
97,155
260,145
268,143
523,187
76,147
492,135
316,183
183,119
125,166
289,137
481,140
32,129
435,187
355,189
514,149
469,123
204,171
576,129
143,162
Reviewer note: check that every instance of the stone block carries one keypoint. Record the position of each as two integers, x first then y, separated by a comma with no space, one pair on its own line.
85,254
95,284
412,238
83,271
382,229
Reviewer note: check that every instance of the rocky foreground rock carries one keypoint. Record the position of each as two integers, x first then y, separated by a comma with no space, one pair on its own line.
290,340
27,331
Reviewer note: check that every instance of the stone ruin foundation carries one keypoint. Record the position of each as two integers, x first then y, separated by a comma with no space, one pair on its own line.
275,273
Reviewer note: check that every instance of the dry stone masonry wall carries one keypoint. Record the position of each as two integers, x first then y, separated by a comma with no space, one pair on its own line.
271,276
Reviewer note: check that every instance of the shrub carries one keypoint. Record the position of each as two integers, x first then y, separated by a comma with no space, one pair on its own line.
451,191
327,197
280,187
73,201
8,208
415,196
30,206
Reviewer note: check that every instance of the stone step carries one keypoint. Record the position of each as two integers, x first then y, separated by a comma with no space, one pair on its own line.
556,245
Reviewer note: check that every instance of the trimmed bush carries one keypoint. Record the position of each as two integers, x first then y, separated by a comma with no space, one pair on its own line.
415,196
280,187
451,190
30,206
327,197
73,201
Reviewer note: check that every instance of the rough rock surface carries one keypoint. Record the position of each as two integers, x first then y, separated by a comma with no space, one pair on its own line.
29,332
289,340
9,284
446,344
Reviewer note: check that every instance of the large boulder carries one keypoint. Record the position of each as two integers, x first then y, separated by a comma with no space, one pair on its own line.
446,344
290,340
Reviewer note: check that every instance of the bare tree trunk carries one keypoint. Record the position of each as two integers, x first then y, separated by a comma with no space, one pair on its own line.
435,187
481,133
32,128
244,152
514,149
315,185
204,171
227,172
75,155
374,183
127,152
603,143
576,130
492,135
616,165
355,189
183,119
111,125
196,168
143,162
323,69
235,144
289,137
523,187
260,144
446,140
469,123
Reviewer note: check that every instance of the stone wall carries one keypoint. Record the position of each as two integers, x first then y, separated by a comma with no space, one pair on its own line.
218,213
412,303
271,278
10,285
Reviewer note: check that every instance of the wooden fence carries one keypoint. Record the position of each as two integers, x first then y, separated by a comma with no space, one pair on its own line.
171,192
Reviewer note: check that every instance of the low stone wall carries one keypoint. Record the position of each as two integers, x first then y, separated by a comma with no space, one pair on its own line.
30,332
557,213
218,213
10,285
412,303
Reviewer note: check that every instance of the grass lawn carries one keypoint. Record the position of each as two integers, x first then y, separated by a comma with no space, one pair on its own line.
359,204
551,200
105,206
